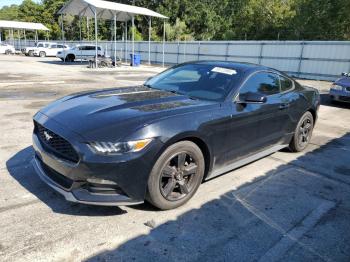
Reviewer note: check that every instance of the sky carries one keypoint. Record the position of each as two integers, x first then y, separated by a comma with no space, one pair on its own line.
11,2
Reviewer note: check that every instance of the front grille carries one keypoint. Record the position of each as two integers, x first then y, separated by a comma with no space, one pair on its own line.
56,144
345,98
61,180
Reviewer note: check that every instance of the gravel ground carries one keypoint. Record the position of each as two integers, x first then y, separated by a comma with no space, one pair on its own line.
285,207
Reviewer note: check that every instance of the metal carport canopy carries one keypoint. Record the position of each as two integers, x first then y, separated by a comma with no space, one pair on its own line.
15,25
22,25
106,10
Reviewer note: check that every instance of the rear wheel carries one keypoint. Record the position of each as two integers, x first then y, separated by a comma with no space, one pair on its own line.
176,175
303,133
42,54
8,52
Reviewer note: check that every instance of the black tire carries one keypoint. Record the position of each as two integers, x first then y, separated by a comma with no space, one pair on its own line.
31,53
70,58
303,133
8,52
172,184
42,54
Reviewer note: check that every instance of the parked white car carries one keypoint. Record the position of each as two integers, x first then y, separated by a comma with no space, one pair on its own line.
29,51
83,52
49,50
7,49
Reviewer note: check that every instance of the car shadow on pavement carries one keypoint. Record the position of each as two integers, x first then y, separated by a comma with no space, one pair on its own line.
326,101
297,211
20,168
59,62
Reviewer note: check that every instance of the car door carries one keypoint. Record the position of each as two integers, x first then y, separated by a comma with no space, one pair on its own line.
51,50
290,106
256,125
59,48
274,115
91,52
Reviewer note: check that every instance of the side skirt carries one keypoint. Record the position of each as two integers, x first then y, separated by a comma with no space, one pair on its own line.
245,161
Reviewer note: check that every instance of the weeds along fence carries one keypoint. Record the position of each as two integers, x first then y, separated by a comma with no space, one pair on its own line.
320,60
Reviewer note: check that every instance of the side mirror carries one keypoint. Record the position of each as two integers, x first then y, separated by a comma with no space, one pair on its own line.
252,98
344,74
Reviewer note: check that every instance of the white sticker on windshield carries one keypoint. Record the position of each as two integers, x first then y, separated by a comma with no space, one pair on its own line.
225,71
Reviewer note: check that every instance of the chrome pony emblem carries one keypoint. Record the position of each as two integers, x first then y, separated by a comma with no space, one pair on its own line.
48,137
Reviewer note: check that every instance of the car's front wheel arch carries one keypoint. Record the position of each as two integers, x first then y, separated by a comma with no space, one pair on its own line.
196,139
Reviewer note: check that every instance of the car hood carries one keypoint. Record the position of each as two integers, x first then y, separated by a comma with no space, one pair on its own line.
344,81
115,113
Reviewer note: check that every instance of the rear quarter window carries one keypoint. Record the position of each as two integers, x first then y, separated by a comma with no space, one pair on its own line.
286,84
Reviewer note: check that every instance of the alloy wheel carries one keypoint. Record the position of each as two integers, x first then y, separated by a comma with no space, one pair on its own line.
305,131
177,176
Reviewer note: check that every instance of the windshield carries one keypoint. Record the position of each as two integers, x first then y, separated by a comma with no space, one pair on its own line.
200,81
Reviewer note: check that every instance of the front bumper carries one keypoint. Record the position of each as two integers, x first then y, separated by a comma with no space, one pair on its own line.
341,96
94,179
81,195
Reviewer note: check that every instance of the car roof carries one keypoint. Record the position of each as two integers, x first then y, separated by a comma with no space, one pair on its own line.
243,66
86,45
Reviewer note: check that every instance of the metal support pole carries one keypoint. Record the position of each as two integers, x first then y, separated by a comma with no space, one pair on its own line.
96,52
185,49
19,39
62,29
199,50
301,57
80,29
115,40
25,38
88,28
133,39
227,50
126,42
163,43
261,52
81,60
36,36
149,40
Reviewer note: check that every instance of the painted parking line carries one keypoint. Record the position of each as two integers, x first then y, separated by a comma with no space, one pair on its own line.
4,84
277,252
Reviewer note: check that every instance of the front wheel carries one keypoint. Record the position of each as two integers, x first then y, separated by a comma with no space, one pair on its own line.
176,175
303,133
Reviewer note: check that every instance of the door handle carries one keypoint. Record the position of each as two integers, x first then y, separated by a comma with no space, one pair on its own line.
284,106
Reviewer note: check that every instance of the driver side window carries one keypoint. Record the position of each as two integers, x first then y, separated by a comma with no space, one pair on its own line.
262,83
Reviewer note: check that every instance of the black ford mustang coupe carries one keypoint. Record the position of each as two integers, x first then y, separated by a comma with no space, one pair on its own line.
159,141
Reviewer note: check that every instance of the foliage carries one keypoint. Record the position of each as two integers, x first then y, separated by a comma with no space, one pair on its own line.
178,31
204,20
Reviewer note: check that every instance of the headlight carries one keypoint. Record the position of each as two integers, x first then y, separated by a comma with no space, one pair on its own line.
109,148
336,87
